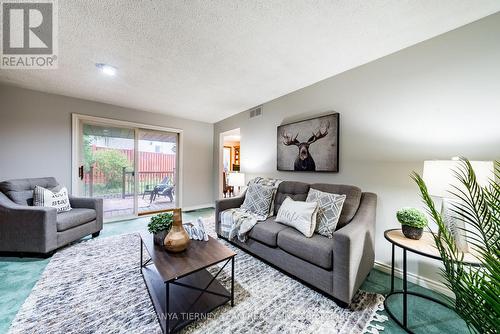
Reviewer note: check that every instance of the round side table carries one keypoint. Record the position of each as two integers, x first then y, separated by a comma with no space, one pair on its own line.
425,247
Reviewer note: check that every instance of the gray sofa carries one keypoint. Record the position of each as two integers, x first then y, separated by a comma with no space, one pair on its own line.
31,229
336,267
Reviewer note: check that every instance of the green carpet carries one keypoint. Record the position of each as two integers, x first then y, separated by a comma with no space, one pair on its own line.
19,275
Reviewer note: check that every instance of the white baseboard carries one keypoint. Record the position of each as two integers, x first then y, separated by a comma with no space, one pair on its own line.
419,280
198,207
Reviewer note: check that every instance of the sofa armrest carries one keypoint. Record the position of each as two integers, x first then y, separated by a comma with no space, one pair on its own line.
27,228
224,204
89,203
354,249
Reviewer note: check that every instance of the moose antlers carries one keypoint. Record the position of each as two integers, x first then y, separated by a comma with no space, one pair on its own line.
289,139
319,134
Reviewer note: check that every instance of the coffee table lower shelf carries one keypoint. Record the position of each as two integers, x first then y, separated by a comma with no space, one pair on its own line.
189,298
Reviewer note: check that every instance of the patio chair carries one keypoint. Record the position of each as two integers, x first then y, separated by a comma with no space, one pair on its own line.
150,188
165,188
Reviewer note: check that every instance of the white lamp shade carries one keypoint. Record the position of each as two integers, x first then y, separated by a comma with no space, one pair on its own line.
440,178
236,179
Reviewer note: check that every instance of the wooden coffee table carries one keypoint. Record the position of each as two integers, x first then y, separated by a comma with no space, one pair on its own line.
179,284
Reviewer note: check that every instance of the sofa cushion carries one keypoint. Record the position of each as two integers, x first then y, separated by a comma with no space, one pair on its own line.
351,203
267,231
295,190
20,191
298,214
317,250
74,218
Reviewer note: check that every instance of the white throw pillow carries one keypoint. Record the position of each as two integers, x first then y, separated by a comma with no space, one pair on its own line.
299,215
258,199
329,209
47,198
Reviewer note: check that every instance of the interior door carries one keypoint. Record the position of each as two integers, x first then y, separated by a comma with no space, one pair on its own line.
106,167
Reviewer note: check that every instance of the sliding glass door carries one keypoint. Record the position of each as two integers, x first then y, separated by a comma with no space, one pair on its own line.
108,168
156,171
132,169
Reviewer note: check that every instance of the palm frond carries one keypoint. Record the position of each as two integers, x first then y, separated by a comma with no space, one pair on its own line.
477,290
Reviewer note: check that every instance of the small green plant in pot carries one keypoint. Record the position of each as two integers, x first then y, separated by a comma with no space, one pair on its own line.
160,225
412,222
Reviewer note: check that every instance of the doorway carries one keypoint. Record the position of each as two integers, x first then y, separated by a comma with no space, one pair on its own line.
132,168
230,166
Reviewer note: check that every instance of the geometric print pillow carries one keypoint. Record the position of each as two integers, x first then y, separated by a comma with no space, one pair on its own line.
47,198
267,182
258,199
329,209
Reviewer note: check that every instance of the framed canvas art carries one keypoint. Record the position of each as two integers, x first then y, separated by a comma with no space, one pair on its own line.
311,145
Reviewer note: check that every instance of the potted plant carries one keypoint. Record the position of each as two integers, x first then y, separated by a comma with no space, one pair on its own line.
159,226
412,222
476,289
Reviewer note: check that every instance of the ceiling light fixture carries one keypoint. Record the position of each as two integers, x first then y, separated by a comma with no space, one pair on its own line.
106,69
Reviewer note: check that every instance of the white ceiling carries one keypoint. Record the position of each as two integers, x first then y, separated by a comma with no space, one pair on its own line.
207,60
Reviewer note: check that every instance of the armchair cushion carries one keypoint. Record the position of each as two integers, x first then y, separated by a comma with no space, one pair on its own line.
22,197
20,191
74,218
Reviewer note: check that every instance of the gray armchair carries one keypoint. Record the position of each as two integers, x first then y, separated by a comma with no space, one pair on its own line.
32,229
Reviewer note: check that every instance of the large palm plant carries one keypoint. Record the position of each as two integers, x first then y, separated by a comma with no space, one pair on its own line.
477,290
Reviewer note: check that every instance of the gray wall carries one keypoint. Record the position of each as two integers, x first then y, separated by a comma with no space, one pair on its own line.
435,100
35,139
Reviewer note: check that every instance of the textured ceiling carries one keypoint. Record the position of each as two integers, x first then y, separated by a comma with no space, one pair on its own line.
207,60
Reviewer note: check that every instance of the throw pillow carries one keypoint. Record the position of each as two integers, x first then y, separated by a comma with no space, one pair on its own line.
268,182
329,209
258,199
47,198
299,215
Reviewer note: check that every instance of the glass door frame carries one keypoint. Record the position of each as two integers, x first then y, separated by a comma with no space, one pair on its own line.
78,120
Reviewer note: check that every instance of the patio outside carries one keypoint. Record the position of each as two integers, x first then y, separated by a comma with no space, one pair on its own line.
109,170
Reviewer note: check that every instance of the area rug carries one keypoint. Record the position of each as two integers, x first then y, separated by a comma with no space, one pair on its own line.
96,287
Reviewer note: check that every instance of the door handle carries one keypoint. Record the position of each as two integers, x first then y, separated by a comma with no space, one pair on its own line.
80,172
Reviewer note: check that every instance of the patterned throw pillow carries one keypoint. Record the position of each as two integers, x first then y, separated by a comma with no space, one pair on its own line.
47,198
299,215
268,182
329,209
258,199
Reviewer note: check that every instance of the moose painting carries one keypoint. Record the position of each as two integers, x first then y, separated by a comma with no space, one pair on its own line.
309,146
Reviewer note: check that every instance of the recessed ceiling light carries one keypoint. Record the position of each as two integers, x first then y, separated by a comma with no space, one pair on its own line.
106,69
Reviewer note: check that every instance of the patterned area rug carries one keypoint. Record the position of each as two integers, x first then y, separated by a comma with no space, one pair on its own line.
96,287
